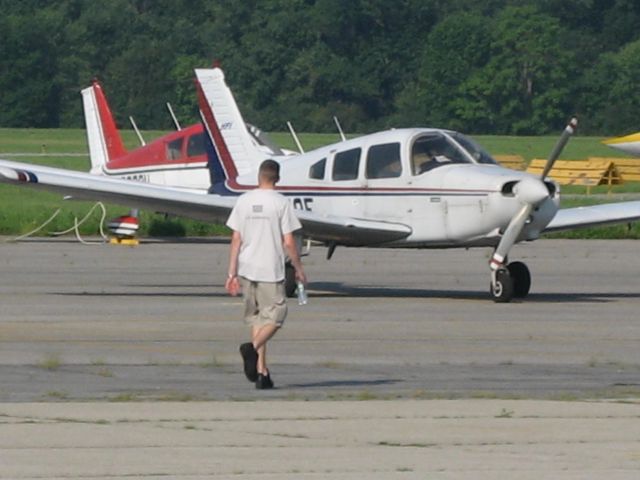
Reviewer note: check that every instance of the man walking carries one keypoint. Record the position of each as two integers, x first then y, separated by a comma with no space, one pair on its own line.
263,223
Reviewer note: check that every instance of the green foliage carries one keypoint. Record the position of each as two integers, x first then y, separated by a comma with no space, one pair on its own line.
29,61
458,45
523,88
615,78
495,66
166,227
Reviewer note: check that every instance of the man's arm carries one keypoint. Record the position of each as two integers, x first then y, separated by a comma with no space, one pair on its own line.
232,284
291,247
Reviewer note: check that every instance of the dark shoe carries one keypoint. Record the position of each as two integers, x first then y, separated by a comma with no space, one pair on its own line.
264,382
250,357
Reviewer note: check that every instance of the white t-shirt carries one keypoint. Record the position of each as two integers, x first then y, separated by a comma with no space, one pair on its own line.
262,217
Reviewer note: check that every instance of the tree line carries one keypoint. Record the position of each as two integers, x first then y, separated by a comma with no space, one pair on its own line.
480,66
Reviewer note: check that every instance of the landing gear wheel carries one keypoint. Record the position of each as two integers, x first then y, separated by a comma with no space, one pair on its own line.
502,290
521,279
289,280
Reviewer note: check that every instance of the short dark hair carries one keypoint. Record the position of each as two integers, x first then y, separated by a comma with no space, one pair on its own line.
270,170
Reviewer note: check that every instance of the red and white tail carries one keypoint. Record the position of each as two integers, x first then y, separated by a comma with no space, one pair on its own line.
244,149
103,137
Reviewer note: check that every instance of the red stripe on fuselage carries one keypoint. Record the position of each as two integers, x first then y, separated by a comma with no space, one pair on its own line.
310,189
155,153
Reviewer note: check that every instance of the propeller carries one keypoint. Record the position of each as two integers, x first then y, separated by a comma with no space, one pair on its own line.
530,192
562,141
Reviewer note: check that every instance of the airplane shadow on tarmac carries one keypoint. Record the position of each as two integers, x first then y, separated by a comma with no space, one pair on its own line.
340,290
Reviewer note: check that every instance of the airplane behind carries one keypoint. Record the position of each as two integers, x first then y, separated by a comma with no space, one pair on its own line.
399,188
177,159
628,143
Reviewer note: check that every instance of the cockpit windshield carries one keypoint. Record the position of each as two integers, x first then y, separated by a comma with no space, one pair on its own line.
475,150
435,150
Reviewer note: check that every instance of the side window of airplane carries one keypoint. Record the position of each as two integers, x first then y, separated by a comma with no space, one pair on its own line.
383,161
195,145
174,149
316,172
346,164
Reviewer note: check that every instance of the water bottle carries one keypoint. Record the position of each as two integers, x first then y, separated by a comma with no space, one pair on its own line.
302,294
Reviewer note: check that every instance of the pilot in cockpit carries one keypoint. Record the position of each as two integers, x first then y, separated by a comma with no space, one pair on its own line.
427,156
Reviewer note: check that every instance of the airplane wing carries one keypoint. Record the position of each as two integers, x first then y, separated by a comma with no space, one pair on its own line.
189,203
595,215
84,186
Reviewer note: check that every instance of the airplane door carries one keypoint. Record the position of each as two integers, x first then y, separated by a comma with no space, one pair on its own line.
385,180
428,206
347,184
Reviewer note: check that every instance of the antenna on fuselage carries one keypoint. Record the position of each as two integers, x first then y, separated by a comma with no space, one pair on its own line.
335,119
135,127
295,137
175,120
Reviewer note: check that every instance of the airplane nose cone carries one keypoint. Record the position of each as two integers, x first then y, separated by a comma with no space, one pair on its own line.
530,191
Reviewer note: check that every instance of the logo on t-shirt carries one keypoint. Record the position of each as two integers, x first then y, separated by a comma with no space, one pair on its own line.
257,208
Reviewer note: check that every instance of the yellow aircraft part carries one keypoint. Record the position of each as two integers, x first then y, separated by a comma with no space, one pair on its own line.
634,137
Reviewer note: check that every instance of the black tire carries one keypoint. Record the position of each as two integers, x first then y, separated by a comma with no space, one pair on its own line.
289,280
502,291
521,279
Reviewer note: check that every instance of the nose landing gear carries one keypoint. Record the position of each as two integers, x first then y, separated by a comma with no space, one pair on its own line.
512,281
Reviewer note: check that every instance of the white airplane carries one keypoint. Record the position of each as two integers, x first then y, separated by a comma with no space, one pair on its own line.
404,188
629,143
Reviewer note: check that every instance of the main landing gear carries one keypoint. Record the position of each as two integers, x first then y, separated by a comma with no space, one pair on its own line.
510,281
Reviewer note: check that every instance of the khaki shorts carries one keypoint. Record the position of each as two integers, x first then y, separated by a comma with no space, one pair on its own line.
264,302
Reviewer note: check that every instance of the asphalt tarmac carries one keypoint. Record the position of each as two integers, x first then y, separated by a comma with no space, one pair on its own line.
120,362
154,322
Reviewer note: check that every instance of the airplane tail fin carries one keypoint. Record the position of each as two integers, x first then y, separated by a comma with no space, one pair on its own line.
240,150
105,142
